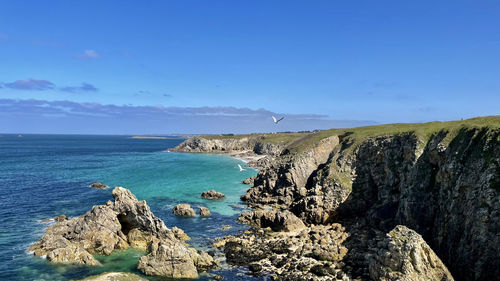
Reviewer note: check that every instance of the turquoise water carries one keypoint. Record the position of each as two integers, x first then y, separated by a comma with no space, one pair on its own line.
42,176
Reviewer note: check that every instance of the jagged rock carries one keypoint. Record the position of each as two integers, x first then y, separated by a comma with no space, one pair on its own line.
276,220
60,218
204,211
184,210
98,185
249,180
115,276
290,255
213,195
174,261
180,234
126,222
202,260
72,254
405,256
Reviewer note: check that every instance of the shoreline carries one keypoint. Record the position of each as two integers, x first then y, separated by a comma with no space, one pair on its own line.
236,155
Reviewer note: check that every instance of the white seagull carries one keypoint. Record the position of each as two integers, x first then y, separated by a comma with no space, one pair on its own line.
277,120
241,169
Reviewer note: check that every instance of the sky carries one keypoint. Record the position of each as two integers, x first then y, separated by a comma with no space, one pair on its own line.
136,67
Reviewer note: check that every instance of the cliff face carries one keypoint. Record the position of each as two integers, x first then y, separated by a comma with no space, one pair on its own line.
228,145
442,181
445,188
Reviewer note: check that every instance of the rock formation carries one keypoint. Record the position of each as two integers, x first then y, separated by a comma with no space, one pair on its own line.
184,210
404,255
248,180
228,145
276,220
126,222
212,195
204,211
98,185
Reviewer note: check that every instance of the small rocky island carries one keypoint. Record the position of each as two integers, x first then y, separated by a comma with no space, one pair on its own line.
126,222
212,195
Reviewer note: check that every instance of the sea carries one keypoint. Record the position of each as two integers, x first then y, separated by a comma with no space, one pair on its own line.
43,176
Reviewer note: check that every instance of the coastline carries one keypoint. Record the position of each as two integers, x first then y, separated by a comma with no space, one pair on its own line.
338,202
245,156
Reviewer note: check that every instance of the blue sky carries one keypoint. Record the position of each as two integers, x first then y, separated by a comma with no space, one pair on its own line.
331,63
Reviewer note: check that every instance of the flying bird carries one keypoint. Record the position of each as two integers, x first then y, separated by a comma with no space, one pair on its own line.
241,169
277,120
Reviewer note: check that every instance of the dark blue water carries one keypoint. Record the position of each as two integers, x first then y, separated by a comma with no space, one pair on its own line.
42,176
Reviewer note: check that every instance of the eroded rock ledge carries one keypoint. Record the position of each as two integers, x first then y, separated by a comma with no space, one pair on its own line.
126,222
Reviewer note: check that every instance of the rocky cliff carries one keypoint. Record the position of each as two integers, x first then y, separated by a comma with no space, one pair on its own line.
441,180
254,144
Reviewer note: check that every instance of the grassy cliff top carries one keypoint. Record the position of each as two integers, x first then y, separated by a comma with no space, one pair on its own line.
299,141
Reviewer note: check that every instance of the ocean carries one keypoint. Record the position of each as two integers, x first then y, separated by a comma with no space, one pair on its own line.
43,176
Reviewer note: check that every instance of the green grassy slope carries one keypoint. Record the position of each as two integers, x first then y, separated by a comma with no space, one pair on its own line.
297,142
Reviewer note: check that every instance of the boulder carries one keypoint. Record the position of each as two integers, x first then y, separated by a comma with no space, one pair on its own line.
212,195
204,211
169,260
184,210
405,256
98,185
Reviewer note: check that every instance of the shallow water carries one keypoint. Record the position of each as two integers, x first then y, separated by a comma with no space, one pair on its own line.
42,176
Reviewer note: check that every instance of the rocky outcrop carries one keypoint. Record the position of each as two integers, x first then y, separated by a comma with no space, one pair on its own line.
298,255
249,180
254,144
277,220
126,222
98,185
174,261
61,218
212,195
204,211
183,210
171,260
286,178
404,255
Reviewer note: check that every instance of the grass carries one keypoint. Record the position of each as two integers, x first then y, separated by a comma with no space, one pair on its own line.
297,142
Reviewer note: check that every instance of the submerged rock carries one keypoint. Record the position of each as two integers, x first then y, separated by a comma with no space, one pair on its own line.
126,222
184,210
404,255
212,195
98,185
